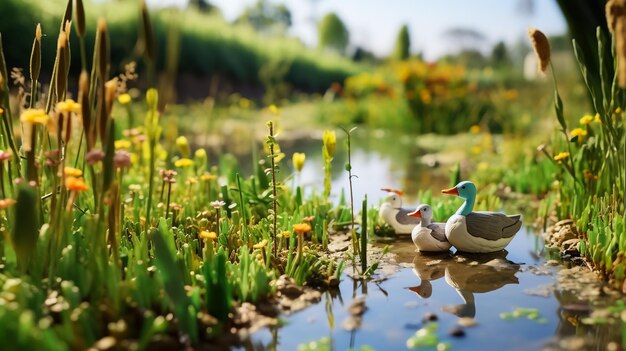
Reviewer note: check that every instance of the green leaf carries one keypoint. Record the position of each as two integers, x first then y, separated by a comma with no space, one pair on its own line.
26,224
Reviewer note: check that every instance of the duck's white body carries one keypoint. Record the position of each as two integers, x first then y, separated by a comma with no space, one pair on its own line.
430,238
478,232
392,213
457,235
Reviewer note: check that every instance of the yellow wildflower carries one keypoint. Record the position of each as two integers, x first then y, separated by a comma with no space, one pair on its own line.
475,129
298,160
68,105
561,156
207,177
72,172
586,119
426,96
183,162
183,146
286,234
618,111
6,203
34,115
124,99
244,103
301,228
122,144
75,184
329,140
596,118
260,245
206,235
273,109
580,133
1,110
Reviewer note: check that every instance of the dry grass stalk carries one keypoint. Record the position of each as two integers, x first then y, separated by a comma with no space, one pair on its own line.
62,61
83,100
35,55
616,20
542,48
79,10
103,50
147,37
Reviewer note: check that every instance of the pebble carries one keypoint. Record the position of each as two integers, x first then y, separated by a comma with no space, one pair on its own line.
430,317
457,332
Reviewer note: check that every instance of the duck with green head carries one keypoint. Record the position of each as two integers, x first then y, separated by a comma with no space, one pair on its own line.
478,231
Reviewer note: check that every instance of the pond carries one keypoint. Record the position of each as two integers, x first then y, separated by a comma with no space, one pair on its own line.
518,299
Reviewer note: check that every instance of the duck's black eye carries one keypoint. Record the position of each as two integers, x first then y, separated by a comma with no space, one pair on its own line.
463,187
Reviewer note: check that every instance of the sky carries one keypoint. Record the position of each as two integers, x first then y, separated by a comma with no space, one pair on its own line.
374,24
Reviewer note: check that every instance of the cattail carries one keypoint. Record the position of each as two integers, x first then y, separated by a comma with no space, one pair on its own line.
83,100
79,10
61,78
103,50
110,91
3,71
542,48
35,55
614,9
67,17
616,20
147,35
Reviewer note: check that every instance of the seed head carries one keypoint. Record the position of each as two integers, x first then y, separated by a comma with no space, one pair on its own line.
79,8
541,46
35,55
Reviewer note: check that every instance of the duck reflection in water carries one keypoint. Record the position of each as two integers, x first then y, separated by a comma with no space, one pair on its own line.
429,266
466,273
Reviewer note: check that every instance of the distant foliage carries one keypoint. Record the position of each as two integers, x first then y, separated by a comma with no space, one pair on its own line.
266,16
333,34
403,44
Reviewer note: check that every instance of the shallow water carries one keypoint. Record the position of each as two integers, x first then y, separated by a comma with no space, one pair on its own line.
481,286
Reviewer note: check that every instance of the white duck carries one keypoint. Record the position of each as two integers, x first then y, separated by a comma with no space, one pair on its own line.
428,236
392,213
478,232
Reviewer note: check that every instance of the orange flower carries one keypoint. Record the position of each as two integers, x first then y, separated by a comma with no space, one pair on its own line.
6,203
301,228
75,184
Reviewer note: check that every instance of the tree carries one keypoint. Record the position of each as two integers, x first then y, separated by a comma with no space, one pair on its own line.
266,16
202,5
403,44
500,55
333,34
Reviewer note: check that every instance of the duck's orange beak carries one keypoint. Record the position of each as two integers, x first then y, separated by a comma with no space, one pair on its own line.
451,191
416,214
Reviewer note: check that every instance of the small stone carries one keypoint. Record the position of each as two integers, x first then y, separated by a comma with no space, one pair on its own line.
429,317
553,263
457,332
106,343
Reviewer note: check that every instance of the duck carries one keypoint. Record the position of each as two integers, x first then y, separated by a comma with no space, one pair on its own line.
428,236
392,213
478,232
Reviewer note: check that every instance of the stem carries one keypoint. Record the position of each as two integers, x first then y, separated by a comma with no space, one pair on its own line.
150,182
274,201
169,195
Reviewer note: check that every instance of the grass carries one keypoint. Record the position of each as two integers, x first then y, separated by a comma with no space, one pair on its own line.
121,235
210,45
590,180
